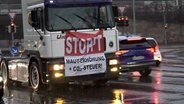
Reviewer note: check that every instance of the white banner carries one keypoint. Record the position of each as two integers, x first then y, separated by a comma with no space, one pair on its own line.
84,53
85,65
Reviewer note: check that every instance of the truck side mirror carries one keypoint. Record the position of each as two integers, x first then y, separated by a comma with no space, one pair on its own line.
115,11
35,19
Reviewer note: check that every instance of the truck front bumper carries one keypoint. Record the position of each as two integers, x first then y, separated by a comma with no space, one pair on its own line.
112,72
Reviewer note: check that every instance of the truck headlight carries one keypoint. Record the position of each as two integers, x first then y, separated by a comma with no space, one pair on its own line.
1,79
57,67
114,69
113,62
58,75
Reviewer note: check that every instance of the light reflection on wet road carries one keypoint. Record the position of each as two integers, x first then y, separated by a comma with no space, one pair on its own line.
164,86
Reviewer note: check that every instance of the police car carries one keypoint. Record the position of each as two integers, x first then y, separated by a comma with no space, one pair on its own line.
136,54
1,78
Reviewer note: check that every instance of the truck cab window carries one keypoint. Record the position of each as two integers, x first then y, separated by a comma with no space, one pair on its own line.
76,18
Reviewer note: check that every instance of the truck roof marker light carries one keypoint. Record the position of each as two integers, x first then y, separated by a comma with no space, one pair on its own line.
51,1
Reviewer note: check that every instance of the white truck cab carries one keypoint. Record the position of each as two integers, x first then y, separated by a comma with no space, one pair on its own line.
66,40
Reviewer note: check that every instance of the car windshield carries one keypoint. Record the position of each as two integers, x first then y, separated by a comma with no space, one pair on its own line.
75,18
133,44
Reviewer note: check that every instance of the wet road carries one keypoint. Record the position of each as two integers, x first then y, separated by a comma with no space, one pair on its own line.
163,86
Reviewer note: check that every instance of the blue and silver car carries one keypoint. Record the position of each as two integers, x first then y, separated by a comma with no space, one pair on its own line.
136,54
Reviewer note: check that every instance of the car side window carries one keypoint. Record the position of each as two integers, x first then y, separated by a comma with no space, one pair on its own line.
152,42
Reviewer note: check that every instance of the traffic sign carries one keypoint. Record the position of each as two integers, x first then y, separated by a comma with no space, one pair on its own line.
12,15
14,50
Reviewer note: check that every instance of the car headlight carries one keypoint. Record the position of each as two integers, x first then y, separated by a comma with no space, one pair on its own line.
113,62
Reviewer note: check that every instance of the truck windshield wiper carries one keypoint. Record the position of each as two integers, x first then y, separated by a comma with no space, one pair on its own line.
83,19
66,21
104,23
96,18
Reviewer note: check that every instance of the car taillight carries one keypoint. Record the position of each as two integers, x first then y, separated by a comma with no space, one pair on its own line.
154,49
118,53
151,49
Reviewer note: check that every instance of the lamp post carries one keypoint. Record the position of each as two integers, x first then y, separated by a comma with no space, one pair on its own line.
134,22
165,21
24,13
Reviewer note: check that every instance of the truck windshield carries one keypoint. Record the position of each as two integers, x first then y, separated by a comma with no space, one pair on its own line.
76,18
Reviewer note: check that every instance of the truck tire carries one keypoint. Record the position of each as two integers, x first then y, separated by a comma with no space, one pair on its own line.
145,72
4,69
1,93
34,76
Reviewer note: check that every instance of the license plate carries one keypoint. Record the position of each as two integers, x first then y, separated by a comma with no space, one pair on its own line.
138,58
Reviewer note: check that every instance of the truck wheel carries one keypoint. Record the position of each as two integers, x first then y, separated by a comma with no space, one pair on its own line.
34,76
145,72
4,70
1,93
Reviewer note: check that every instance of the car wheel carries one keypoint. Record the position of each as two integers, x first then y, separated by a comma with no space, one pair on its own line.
158,64
145,72
4,70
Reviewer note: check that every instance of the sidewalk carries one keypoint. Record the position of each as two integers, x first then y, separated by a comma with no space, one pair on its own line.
172,61
171,46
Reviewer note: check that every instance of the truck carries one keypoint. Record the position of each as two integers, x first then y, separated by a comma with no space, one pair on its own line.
1,80
64,41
